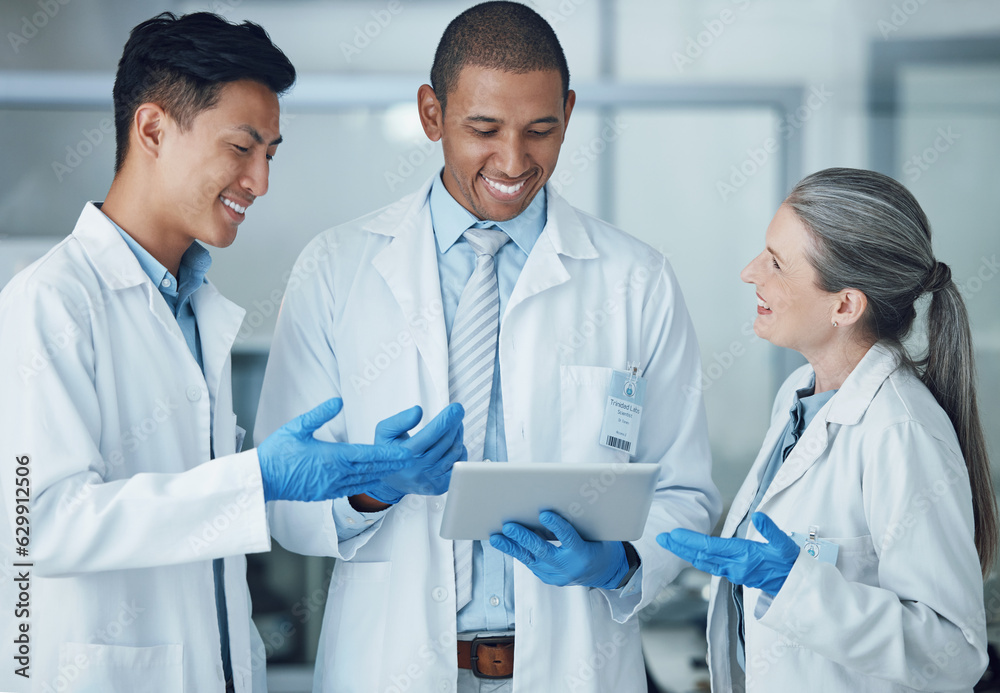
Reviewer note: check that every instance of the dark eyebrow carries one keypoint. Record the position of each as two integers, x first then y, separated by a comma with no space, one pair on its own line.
776,256
488,119
250,130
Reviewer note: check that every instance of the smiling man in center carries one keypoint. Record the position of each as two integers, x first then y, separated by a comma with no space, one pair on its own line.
474,290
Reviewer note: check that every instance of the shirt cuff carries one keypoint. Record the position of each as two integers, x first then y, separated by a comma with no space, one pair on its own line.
623,601
350,522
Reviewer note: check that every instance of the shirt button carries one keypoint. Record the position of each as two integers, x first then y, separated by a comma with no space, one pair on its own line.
439,594
494,600
350,520
194,393
369,522
165,283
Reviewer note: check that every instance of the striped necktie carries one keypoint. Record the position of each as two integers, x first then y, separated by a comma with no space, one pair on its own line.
471,354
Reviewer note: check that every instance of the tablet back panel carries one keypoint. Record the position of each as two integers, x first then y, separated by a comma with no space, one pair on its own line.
604,502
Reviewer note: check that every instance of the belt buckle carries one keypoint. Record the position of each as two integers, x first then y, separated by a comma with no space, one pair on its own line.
487,640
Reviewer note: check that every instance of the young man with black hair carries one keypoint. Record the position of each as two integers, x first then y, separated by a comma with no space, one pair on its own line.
133,503
482,281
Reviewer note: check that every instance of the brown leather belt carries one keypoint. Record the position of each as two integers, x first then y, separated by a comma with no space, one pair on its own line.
488,657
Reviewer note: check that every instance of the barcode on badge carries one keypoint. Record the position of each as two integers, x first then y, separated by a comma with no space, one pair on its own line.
619,443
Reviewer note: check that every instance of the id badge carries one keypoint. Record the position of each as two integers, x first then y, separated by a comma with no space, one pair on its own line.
620,429
820,549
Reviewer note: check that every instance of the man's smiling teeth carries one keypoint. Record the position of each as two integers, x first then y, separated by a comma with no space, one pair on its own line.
762,304
232,205
506,189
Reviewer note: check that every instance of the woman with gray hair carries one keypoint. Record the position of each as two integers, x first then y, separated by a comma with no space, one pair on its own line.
874,463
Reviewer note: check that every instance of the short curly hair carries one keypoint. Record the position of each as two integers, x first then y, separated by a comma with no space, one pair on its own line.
504,36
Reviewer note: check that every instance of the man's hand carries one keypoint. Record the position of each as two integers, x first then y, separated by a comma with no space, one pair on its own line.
295,466
436,448
576,562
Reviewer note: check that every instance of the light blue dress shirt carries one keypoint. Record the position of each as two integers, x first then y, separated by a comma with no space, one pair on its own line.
492,605
177,293
803,410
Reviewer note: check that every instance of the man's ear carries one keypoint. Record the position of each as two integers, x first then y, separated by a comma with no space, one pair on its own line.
431,113
568,111
148,129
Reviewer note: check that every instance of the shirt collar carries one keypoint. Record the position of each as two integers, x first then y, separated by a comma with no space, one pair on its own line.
450,219
194,266
806,404
157,273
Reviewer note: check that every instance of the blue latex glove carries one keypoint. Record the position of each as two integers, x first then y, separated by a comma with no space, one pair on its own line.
295,466
436,447
763,565
576,562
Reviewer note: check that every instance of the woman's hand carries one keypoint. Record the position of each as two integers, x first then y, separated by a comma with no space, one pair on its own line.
763,565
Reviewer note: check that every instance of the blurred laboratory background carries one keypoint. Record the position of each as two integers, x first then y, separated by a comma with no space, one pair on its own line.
693,121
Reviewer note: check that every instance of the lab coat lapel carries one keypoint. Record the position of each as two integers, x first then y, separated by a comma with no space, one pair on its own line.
807,450
408,264
117,265
219,320
846,407
747,492
563,235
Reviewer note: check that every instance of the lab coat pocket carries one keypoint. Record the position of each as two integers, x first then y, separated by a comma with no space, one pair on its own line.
358,606
856,559
584,399
102,668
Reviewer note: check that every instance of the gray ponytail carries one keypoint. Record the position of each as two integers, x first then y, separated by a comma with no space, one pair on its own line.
871,234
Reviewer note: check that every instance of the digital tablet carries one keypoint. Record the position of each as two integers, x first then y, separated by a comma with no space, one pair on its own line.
604,502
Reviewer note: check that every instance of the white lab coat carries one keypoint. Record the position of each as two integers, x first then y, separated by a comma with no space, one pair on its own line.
127,510
362,318
880,473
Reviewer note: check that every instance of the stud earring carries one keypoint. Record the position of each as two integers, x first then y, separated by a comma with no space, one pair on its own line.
834,323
